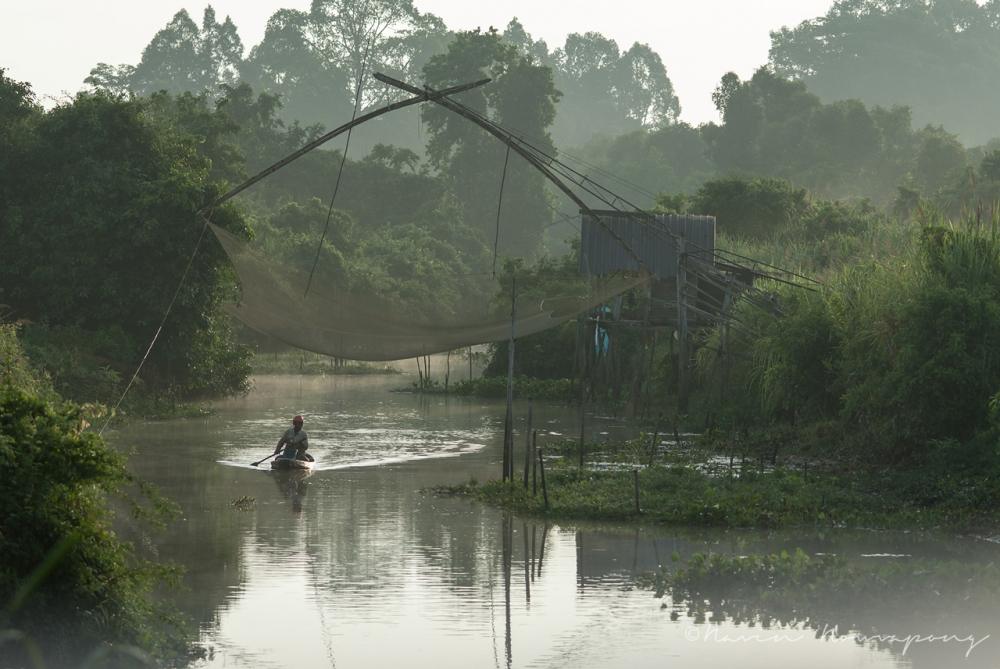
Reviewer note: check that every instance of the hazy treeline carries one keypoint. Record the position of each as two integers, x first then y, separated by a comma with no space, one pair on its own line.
808,116
939,57
313,58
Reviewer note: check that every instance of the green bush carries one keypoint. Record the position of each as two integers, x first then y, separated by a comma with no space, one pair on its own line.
901,354
65,576
15,368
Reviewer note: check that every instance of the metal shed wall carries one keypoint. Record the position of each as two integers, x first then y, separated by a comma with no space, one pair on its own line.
651,238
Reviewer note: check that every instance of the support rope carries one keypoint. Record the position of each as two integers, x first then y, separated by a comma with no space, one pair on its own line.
166,314
343,160
496,240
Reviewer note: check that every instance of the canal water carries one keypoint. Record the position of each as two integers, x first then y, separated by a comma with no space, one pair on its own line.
354,566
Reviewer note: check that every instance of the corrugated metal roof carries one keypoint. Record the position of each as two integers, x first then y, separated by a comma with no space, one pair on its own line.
651,238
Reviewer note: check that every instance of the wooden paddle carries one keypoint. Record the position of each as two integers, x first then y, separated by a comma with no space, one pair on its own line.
254,464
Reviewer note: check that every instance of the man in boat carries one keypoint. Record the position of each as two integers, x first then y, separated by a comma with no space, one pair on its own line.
294,441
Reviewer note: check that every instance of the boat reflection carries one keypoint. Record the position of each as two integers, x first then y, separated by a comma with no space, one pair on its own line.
293,485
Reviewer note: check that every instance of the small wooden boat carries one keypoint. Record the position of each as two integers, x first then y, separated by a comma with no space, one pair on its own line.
291,464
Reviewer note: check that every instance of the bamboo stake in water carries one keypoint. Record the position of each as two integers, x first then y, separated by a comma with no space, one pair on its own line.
527,563
541,468
527,446
635,478
534,462
541,549
508,433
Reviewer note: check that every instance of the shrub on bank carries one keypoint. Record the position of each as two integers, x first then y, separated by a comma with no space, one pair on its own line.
525,387
68,584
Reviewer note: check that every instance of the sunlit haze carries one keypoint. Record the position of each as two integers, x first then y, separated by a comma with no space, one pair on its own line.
53,44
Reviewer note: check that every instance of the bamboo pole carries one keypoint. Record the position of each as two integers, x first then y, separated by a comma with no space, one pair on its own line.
652,442
527,563
508,548
533,552
527,446
545,490
534,462
635,479
541,548
682,327
508,433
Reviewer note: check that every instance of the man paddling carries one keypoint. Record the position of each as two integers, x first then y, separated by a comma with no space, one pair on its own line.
294,441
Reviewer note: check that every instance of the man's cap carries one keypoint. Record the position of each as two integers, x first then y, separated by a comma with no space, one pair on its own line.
297,419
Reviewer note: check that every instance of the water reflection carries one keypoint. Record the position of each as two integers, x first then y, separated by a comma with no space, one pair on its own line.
293,486
371,572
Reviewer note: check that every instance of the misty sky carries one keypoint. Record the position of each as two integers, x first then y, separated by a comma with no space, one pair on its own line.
53,44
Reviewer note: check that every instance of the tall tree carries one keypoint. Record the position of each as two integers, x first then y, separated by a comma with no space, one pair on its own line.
774,126
102,224
522,98
181,57
313,89
609,92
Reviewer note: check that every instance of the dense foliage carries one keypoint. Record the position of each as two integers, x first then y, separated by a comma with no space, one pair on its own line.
99,224
66,577
894,356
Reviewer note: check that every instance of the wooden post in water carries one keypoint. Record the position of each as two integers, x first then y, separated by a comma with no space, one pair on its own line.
527,563
527,446
541,549
508,430
470,364
541,469
534,462
508,548
635,479
579,559
652,442
682,327
584,373
532,551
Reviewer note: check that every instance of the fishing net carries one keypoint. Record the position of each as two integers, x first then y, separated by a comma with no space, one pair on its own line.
366,326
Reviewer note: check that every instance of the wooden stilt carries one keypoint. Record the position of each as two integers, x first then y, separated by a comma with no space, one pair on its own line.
527,447
508,435
682,328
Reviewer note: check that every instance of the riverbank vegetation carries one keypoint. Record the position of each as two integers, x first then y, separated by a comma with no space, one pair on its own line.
72,589
303,362
870,400
687,484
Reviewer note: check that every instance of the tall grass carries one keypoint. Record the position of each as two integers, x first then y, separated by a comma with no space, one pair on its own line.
899,347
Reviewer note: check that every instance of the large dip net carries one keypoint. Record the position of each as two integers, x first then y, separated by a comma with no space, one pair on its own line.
332,320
